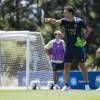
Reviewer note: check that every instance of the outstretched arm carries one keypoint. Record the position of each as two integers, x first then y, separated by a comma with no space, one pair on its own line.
52,21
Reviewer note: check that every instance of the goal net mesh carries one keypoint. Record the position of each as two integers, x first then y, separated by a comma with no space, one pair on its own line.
13,59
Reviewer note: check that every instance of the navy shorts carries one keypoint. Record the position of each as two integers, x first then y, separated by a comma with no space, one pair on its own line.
73,51
57,66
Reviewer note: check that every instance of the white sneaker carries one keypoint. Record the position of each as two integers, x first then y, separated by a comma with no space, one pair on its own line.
56,87
87,87
65,88
98,88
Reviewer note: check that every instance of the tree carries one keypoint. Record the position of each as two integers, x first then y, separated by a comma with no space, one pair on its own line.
29,14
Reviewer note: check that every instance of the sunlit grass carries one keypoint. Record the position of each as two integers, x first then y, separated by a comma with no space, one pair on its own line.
49,95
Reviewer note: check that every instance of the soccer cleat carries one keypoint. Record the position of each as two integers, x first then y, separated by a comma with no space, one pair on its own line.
65,88
87,87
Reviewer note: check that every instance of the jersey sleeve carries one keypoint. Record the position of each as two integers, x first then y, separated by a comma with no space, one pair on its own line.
83,24
49,45
63,21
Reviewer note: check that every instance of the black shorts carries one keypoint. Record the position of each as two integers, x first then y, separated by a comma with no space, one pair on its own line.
57,66
72,51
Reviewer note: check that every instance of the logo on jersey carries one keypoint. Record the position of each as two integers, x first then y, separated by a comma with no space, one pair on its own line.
72,31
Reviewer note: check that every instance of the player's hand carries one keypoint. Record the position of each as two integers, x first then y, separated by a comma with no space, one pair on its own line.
47,19
83,41
80,42
51,57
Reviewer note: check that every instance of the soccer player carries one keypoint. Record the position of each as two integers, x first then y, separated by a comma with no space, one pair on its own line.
57,47
74,42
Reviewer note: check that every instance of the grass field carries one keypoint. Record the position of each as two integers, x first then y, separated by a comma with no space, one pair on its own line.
49,95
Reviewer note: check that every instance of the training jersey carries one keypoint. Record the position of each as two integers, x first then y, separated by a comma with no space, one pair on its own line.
57,50
72,29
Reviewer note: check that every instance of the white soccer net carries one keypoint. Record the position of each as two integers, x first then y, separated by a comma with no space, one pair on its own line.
22,59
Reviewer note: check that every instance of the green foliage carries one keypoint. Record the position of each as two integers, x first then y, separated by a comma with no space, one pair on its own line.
17,16
89,61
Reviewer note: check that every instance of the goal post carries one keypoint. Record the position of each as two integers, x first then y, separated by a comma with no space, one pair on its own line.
27,60
23,59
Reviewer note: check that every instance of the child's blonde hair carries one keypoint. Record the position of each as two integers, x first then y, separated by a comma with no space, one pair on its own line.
58,32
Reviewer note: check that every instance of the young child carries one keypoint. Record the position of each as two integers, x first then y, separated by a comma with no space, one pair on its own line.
57,47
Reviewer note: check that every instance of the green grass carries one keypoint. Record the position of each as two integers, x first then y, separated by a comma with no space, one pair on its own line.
49,95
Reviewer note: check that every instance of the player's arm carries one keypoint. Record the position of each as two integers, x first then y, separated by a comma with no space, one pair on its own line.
48,47
48,53
46,50
88,30
52,21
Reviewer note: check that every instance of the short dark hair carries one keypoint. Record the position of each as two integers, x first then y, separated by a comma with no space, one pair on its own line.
70,9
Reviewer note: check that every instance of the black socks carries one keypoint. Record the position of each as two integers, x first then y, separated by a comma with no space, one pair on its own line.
66,84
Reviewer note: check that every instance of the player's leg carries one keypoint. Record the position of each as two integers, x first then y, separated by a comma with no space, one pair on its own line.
84,74
54,72
81,59
62,73
66,76
54,67
66,72
84,71
56,87
67,63
55,77
61,68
